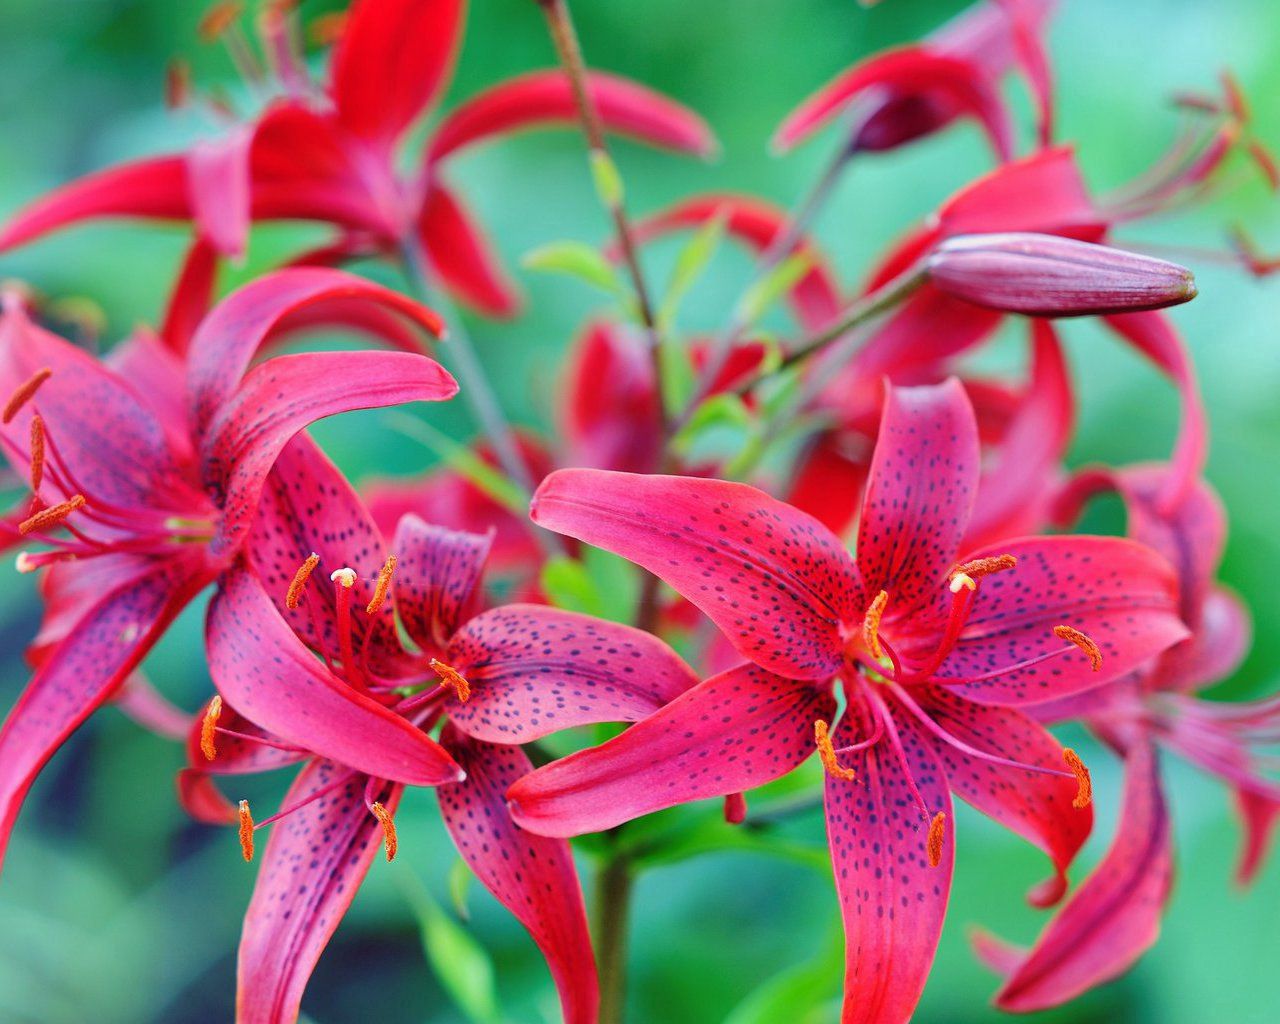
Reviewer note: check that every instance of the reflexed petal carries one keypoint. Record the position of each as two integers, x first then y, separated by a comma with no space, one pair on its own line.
308,875
1120,594
532,876
282,396
892,900
777,582
462,257
148,707
267,674
202,800
920,490
154,188
1258,816
735,731
1115,914
828,483
236,755
436,579
218,176
535,670
543,99
1215,650
192,296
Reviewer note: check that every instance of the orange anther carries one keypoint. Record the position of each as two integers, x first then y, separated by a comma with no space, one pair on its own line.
217,19
177,84
871,624
299,583
1084,782
980,567
209,728
384,583
452,679
1085,643
23,393
937,833
328,28
37,453
388,828
51,516
827,754
246,830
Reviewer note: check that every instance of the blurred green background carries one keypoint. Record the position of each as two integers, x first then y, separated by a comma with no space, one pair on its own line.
114,908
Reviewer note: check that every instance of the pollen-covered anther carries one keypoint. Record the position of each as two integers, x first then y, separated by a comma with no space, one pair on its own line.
52,515
452,679
827,753
37,453
388,828
299,582
933,842
382,586
871,624
246,830
1084,782
327,28
967,574
24,392
217,19
209,728
1085,643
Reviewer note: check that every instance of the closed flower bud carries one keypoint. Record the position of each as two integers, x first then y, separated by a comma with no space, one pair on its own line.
1048,275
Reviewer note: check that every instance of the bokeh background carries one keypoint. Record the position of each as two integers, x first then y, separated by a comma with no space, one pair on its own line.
114,908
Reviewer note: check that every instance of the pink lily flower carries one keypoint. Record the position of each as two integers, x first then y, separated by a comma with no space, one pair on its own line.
907,92
145,486
1114,916
360,718
332,154
938,660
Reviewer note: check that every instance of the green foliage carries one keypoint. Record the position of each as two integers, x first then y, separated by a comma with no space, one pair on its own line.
578,260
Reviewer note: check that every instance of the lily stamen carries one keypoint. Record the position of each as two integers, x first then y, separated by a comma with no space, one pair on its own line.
51,516
1084,782
452,679
827,754
1085,643
933,842
382,586
246,830
23,393
388,828
37,453
209,727
299,582
980,567
871,624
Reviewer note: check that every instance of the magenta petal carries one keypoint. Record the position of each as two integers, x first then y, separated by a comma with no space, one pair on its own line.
777,582
462,256
532,876
232,334
266,673
313,864
154,188
191,297
892,900
920,490
139,700
1258,815
218,176
535,670
202,800
735,731
926,329
1115,914
1215,650
85,668
239,754
1037,807
545,99
436,578
393,59
1120,594
282,396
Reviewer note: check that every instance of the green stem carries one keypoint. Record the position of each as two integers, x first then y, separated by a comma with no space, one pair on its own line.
612,910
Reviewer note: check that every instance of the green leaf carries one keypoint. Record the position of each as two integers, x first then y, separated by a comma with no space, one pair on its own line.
797,995
723,410
576,259
601,584
679,378
607,179
459,881
462,459
761,296
568,585
690,263
463,968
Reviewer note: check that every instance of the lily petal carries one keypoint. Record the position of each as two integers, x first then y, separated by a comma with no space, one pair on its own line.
542,99
191,298
218,176
1258,816
535,670
436,578
314,862
733,732
532,876
776,581
462,256
270,677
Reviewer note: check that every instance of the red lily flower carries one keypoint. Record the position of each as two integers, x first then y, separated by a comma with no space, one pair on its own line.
1114,917
907,92
361,714
936,660
332,155
142,502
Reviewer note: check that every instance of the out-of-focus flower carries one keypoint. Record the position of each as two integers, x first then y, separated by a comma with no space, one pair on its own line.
938,661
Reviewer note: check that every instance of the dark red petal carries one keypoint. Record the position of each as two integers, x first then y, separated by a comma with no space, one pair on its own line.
775,581
532,876
191,298
891,899
462,257
1258,815
735,731
202,800
308,875
535,670
543,99
154,188
393,58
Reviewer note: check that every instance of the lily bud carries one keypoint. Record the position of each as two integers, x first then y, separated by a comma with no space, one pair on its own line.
1048,275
